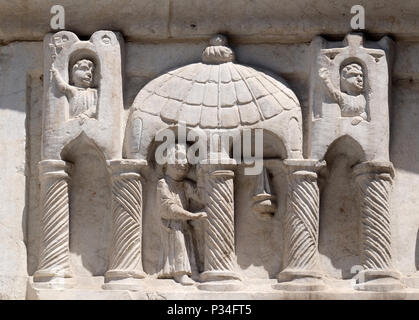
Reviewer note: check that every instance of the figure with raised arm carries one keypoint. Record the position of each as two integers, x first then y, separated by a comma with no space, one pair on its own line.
81,95
350,97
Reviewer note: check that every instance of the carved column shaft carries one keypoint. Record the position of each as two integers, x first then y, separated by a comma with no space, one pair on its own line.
301,228
374,181
375,220
220,251
54,260
220,257
127,202
302,221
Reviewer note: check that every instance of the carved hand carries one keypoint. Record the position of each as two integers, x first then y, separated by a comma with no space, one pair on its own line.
82,117
200,174
200,215
324,73
54,72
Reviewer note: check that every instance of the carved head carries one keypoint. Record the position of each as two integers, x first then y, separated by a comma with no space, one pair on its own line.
352,79
177,166
82,73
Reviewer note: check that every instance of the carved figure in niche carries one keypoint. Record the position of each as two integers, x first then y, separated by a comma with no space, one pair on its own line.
82,96
351,97
174,193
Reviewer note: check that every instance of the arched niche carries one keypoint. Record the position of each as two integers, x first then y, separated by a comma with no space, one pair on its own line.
259,242
339,238
89,207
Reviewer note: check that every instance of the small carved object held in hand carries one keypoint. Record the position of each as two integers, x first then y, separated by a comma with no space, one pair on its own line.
264,204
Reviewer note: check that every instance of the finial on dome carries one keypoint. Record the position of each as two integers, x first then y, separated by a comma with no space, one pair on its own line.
217,52
219,40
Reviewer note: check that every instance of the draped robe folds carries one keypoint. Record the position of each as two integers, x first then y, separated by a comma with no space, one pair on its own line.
353,105
176,233
83,100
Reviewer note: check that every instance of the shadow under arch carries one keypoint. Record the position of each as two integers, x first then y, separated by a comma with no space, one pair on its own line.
273,146
90,206
345,146
259,243
339,232
69,151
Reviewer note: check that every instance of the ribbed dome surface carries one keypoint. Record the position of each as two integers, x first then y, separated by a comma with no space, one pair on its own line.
217,95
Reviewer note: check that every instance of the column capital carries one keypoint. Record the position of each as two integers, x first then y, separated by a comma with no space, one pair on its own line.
311,165
213,165
54,169
289,166
123,166
374,167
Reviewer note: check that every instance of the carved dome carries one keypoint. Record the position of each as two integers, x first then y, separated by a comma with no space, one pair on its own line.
216,93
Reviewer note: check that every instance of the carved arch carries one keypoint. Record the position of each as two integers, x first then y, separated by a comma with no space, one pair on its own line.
346,146
67,152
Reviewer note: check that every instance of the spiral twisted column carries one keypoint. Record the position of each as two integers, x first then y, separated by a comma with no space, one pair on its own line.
301,228
374,180
125,263
220,258
54,259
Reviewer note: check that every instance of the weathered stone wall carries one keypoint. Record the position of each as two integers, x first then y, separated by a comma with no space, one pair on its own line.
21,69
162,35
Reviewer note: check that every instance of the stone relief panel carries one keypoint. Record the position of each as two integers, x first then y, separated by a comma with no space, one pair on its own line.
348,95
349,124
83,92
82,106
212,97
199,223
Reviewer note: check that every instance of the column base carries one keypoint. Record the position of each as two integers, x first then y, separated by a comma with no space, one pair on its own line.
123,280
48,279
378,280
48,273
411,281
300,280
220,281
